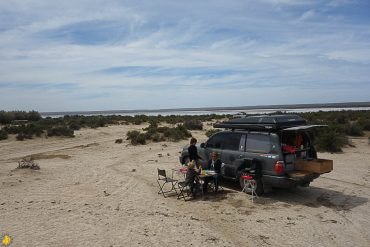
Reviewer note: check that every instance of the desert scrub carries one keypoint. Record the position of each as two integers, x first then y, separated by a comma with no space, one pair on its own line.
61,131
176,134
118,141
136,137
211,132
354,129
75,126
193,125
3,134
8,117
330,141
158,134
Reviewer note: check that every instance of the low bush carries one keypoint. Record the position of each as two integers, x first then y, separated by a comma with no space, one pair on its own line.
193,125
211,132
132,134
3,134
330,141
74,126
136,137
354,129
365,124
176,134
158,134
118,141
61,131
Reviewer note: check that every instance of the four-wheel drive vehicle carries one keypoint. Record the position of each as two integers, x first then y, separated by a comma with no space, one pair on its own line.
281,145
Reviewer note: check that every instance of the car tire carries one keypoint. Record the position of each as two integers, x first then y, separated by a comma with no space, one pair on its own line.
257,182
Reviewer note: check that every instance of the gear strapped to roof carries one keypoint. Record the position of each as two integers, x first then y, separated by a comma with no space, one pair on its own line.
264,122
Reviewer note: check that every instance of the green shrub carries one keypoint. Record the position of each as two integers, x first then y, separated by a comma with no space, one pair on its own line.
156,137
132,134
211,132
136,137
141,139
354,129
193,125
119,141
176,134
61,131
365,124
74,126
3,134
331,141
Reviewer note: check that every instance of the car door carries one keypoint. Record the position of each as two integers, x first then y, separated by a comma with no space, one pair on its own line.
232,152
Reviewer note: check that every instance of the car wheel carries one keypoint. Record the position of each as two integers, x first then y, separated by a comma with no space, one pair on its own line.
255,184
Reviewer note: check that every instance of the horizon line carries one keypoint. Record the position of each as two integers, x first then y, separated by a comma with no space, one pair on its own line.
220,108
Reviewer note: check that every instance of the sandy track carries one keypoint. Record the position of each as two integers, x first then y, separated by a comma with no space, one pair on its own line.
105,194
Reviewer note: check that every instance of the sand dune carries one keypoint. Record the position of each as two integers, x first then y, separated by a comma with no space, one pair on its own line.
93,192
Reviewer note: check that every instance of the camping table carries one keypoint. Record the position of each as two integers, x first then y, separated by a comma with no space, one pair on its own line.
204,175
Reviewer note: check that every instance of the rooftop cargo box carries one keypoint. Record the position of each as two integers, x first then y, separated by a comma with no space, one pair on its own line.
263,122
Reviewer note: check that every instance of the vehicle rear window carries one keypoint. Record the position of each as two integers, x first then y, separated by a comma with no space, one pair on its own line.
258,143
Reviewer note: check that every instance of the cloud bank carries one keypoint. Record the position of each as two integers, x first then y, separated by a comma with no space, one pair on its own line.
103,55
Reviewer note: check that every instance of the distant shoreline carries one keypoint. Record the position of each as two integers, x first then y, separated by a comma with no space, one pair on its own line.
210,110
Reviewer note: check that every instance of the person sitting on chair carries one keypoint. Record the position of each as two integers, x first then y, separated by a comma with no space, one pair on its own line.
214,164
192,179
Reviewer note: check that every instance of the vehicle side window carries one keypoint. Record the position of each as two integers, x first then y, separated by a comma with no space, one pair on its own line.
258,143
232,141
216,140
242,143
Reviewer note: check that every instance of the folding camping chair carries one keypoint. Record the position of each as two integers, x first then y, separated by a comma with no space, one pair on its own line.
252,172
184,188
163,179
250,185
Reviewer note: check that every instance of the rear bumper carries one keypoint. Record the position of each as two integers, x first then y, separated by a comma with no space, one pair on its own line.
286,182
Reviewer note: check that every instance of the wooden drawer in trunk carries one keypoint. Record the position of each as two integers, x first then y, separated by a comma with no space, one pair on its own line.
317,165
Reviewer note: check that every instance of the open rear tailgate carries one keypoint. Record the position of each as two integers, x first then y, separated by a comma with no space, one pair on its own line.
304,128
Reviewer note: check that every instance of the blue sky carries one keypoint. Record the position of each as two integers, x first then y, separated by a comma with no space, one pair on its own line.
136,54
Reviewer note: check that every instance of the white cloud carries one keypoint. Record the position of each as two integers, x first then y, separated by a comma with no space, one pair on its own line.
241,47
308,15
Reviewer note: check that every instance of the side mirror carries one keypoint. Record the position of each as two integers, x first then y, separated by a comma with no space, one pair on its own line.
202,145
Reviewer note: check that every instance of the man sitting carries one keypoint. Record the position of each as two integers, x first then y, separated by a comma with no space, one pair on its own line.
214,164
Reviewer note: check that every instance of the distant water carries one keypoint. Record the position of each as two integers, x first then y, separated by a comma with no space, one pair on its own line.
202,112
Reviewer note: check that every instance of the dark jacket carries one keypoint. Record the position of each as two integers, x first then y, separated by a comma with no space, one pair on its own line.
217,165
191,176
193,153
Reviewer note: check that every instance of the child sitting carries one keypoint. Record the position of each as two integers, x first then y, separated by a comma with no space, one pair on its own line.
192,179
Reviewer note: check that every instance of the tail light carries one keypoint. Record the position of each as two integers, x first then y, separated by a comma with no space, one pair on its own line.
279,167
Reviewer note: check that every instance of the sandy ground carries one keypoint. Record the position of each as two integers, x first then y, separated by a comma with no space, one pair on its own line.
93,192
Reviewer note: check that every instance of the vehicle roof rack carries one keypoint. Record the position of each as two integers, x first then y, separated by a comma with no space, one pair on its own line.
263,122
